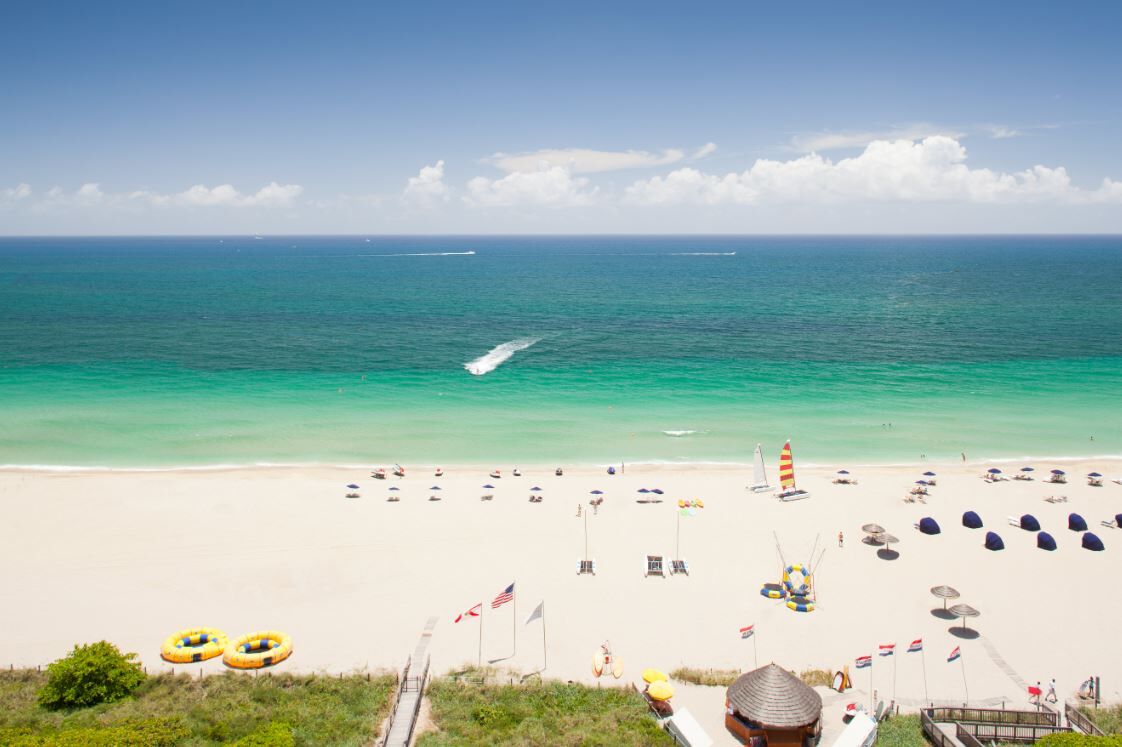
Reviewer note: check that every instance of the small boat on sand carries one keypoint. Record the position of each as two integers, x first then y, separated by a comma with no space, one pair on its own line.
496,474
379,474
439,472
759,474
788,491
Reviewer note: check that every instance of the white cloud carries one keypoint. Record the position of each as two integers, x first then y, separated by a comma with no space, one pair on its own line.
932,169
704,151
428,186
1001,132
820,141
272,195
549,186
585,161
19,192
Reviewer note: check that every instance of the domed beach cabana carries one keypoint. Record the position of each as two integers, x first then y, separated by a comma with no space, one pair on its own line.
772,703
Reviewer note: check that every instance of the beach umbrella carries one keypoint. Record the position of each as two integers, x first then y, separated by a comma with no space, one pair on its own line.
843,472
535,489
971,520
921,482
492,487
964,611
1045,541
395,488
1027,469
656,491
994,541
872,529
1058,472
597,492
1076,523
1029,522
945,593
644,490
1092,542
1093,474
653,675
661,690
929,474
1118,520
352,486
435,487
994,471
927,525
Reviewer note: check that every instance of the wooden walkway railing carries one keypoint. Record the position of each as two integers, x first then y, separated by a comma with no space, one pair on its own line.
974,726
1081,721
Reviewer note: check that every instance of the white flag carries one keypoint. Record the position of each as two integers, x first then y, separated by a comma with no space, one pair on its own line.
538,613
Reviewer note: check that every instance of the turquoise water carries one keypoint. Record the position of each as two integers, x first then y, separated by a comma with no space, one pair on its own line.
161,352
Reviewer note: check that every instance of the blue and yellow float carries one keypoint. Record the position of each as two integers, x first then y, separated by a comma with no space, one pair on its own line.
260,649
773,591
803,588
800,604
193,644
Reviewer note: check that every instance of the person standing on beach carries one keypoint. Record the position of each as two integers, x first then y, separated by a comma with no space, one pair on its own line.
1051,697
841,539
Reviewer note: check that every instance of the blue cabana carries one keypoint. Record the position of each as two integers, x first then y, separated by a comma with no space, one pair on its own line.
1045,541
1118,520
1076,523
971,520
927,525
1092,542
993,541
1029,522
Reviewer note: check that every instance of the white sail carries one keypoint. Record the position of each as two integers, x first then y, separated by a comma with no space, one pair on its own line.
759,481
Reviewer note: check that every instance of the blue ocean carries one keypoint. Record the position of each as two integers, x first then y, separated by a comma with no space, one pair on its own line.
159,352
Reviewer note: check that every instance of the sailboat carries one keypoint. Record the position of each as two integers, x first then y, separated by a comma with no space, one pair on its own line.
788,491
759,476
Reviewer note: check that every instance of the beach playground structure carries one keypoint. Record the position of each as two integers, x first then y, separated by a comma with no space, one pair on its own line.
796,584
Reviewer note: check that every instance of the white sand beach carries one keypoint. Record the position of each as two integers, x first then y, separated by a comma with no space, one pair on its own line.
133,556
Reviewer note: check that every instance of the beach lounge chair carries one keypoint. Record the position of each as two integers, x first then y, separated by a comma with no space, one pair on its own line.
517,472
653,566
1057,479
558,472
1056,499
434,498
586,567
679,568
1095,482
488,497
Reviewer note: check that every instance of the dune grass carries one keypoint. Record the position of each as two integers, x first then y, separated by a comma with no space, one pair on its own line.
725,677
901,731
1107,718
556,713
220,709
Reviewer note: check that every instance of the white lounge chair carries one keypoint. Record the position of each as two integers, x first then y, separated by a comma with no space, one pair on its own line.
653,565
586,567
679,568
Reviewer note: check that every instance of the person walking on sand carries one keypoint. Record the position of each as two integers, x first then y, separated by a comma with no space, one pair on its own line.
841,539
1051,696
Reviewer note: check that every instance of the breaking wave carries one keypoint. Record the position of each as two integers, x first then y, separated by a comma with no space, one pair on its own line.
679,434
498,355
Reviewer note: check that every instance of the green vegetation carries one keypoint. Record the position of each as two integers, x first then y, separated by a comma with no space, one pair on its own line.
283,710
1075,739
716,677
553,713
1109,718
90,674
901,731
816,677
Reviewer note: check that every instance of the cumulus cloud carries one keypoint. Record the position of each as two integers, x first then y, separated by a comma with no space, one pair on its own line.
1001,132
704,151
19,192
821,141
548,186
427,186
584,160
272,195
932,169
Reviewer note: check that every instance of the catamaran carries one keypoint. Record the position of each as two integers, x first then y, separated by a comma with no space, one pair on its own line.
759,476
788,490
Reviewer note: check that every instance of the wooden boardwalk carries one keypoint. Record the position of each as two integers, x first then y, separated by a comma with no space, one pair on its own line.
403,717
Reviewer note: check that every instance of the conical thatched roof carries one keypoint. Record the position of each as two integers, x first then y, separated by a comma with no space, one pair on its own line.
773,697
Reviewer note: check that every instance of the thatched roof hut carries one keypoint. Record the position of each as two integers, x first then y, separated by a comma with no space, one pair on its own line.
772,699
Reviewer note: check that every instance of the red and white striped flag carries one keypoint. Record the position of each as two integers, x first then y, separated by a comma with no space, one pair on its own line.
475,611
504,596
917,645
887,649
748,632
864,661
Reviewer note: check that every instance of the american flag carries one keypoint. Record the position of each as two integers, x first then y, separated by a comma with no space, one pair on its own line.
864,661
917,645
506,596
747,632
887,649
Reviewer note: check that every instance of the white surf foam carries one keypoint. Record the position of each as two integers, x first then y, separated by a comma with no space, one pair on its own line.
423,254
679,434
497,356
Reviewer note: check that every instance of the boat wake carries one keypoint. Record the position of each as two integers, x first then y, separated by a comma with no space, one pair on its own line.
423,254
498,355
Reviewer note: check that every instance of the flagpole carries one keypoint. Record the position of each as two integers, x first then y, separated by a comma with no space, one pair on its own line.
894,675
962,661
513,621
545,650
923,660
755,651
479,661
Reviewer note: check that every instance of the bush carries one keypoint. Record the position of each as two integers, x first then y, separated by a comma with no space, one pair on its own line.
91,674
272,734
152,732
1074,739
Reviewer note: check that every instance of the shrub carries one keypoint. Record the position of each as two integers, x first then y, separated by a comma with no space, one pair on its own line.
1074,739
151,732
272,734
90,674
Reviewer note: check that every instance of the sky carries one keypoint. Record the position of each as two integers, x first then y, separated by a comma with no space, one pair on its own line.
493,118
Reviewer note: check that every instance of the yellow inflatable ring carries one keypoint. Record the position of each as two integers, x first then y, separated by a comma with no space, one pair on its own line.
193,644
800,604
260,649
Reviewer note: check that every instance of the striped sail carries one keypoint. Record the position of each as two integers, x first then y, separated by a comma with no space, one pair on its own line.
786,467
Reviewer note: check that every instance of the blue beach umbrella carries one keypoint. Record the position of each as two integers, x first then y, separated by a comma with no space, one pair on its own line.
656,491
435,487
971,520
1092,542
535,489
1058,472
644,490
1029,523
1093,474
488,487
1046,541
994,471
597,492
921,482
1076,523
928,525
843,472
352,486
993,541
1027,469
929,474
395,488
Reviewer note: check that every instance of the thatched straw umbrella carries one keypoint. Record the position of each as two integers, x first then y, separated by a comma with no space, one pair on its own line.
964,611
872,529
771,698
946,592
